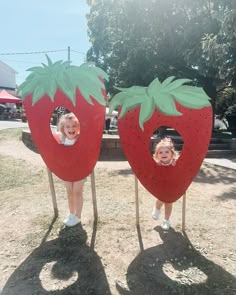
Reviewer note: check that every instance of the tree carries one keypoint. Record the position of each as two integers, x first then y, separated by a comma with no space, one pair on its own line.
136,41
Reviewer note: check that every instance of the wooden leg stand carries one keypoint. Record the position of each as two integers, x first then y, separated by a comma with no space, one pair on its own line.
183,212
95,211
136,199
53,194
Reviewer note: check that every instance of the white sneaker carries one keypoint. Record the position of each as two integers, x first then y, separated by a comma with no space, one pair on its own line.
71,220
156,213
165,224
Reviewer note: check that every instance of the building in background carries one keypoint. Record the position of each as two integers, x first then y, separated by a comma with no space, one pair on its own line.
7,78
9,110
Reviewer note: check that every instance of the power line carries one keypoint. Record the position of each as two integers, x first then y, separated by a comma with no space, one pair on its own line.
78,52
39,52
32,52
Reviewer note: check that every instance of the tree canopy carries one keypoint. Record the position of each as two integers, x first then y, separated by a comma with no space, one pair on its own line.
135,41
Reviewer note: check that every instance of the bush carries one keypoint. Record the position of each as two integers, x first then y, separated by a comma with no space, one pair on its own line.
226,102
231,110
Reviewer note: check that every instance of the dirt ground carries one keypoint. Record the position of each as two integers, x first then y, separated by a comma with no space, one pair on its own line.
38,255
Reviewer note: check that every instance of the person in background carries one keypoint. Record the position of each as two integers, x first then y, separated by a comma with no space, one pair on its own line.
107,124
114,120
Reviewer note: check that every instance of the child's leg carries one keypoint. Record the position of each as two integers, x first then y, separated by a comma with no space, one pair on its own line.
168,210
159,204
71,203
78,197
166,223
156,210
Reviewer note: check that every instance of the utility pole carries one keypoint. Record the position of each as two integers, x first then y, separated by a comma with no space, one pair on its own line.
68,53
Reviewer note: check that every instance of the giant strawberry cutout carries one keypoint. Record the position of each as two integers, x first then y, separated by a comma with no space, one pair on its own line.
143,109
79,89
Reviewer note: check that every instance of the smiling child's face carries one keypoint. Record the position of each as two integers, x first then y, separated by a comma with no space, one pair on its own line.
164,155
71,128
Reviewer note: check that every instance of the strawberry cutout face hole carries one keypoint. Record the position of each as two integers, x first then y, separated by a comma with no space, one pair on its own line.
79,89
56,114
166,146
185,108
68,126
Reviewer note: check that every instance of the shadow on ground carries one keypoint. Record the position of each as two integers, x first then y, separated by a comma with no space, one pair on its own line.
176,267
228,195
214,174
64,266
121,172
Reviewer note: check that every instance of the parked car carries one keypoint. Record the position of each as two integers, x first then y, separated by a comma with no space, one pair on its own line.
6,113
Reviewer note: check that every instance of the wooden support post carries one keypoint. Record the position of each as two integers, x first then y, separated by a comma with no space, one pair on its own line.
183,212
136,199
95,211
53,194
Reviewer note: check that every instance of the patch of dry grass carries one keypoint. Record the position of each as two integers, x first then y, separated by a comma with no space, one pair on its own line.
37,253
9,134
16,173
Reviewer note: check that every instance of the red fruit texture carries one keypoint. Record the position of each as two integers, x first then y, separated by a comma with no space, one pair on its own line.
70,163
169,183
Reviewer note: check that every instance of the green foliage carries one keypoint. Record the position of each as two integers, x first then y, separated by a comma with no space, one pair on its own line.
125,43
226,102
46,79
136,41
160,95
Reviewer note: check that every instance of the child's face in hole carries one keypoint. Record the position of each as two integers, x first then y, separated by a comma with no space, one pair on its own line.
164,155
71,128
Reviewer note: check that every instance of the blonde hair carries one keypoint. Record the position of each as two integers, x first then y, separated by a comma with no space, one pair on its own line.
63,118
167,143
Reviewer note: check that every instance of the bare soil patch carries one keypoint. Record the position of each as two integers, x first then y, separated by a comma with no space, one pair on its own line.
39,256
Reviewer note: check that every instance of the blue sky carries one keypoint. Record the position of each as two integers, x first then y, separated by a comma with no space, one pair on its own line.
42,25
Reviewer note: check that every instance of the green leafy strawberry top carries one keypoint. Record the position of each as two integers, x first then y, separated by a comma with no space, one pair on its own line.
160,95
46,79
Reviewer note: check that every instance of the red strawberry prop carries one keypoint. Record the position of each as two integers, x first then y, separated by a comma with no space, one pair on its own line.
78,89
143,109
